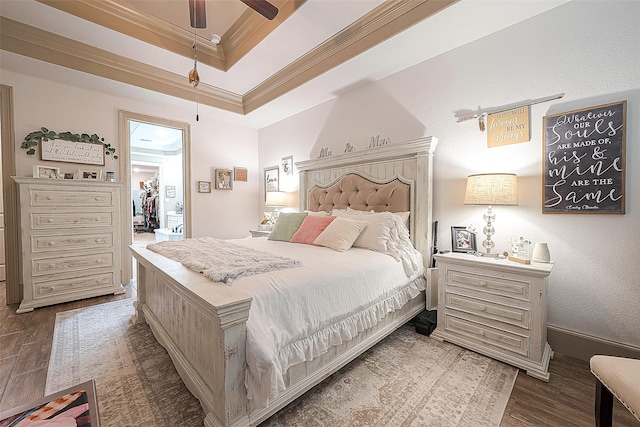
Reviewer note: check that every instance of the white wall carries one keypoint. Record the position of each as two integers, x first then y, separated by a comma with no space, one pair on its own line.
63,107
588,50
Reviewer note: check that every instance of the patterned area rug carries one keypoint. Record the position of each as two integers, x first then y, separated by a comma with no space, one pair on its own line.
406,380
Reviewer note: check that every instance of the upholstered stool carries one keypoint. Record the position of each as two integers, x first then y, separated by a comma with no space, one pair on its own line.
617,376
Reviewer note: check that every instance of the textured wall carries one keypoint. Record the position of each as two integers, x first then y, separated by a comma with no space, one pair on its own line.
588,50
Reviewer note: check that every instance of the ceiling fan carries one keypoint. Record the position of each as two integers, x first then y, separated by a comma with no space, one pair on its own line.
198,13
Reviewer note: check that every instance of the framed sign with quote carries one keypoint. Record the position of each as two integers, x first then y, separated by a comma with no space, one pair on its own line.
59,150
584,160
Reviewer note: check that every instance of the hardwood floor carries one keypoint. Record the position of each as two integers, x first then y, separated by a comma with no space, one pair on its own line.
25,345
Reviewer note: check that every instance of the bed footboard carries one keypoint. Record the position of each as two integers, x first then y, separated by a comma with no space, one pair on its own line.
201,324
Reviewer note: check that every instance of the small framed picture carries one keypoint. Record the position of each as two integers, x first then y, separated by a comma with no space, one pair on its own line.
462,240
68,175
224,179
110,176
45,172
170,191
204,186
240,174
271,179
287,166
90,174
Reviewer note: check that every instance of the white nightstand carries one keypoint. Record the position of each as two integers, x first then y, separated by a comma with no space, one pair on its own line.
495,307
260,233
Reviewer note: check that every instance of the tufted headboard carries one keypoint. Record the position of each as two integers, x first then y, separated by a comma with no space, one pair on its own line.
361,193
400,174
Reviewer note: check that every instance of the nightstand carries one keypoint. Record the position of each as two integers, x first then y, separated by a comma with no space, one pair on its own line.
260,233
495,307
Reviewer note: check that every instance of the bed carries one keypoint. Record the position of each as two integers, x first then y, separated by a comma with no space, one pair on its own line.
203,324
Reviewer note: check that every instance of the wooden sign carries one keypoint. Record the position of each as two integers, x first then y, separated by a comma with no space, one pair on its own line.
508,127
584,160
60,150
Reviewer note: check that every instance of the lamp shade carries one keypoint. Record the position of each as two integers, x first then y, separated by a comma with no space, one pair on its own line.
276,198
492,189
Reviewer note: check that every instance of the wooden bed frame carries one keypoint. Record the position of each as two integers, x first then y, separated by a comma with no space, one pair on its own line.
202,323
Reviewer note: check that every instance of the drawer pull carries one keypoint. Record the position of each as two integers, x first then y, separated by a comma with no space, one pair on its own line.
99,261
482,308
100,240
483,283
52,266
50,220
49,243
49,197
97,199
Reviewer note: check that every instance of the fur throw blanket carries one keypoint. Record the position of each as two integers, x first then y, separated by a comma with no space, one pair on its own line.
219,260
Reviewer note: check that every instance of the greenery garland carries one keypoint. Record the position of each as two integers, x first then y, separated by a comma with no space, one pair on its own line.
31,141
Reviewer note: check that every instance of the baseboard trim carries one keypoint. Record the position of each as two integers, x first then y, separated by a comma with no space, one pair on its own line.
583,346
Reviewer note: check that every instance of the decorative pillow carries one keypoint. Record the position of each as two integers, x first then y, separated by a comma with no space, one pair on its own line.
378,231
311,228
340,234
404,216
288,223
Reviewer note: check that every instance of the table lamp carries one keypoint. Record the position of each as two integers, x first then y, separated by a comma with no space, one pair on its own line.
276,199
491,189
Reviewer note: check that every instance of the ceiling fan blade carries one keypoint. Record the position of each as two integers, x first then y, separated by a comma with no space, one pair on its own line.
198,13
263,7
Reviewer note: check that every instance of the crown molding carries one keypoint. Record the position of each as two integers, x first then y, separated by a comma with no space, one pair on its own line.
385,21
33,42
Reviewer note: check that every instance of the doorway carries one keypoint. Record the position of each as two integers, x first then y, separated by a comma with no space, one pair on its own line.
155,165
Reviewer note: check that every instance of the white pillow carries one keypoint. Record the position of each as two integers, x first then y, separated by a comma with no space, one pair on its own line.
404,216
378,231
340,234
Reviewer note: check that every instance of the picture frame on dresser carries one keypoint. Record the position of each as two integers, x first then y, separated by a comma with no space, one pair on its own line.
462,240
45,172
90,174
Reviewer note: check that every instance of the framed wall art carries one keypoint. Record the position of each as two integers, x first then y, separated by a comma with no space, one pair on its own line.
204,186
224,179
45,172
584,160
240,174
462,240
287,166
60,150
271,179
170,191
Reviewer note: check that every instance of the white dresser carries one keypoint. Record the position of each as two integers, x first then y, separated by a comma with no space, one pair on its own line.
70,240
495,307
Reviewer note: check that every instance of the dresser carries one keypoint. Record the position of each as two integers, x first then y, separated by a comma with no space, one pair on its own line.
70,240
495,307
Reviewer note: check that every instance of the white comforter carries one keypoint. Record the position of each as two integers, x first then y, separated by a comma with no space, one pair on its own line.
331,298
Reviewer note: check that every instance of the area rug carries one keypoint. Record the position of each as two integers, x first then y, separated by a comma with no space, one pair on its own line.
406,380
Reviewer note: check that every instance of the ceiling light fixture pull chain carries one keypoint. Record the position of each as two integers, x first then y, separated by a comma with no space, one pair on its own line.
194,78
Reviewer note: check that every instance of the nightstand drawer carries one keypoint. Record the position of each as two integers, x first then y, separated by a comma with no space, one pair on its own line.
489,310
43,221
487,335
511,288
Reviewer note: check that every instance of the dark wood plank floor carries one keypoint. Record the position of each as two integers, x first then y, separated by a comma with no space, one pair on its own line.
25,345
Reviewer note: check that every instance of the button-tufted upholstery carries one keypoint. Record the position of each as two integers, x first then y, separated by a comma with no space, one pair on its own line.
358,193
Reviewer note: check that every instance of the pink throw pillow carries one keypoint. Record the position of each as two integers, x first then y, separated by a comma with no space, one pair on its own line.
311,228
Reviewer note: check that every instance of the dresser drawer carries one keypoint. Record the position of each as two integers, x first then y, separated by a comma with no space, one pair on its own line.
71,263
487,335
60,287
511,288
489,310
43,221
41,197
52,243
